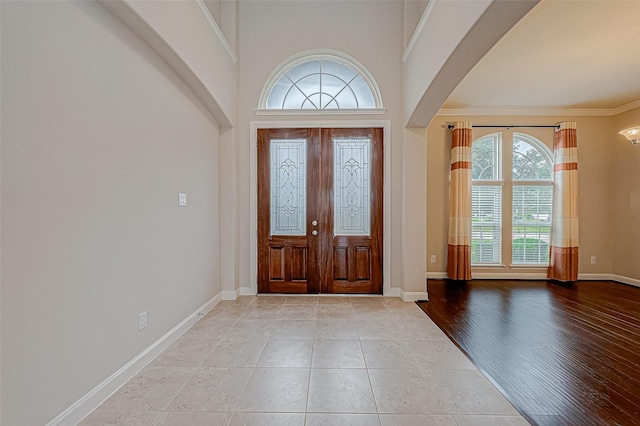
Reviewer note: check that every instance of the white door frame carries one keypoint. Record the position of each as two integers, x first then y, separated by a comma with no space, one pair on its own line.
253,165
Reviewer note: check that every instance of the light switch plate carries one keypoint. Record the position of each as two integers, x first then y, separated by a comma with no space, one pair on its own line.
142,321
182,199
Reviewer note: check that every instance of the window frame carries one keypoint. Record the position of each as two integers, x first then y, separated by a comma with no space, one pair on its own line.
497,181
548,157
504,177
330,55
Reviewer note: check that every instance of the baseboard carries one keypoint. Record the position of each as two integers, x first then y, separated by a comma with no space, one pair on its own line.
393,292
509,276
626,280
595,277
412,296
229,294
247,291
406,296
92,400
437,275
493,276
536,276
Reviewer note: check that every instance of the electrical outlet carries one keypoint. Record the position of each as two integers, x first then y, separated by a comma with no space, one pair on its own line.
142,321
593,260
182,199
433,258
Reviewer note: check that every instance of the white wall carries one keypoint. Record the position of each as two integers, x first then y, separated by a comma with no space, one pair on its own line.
0,231
225,12
185,35
443,31
414,221
455,36
413,11
270,33
625,199
98,137
183,25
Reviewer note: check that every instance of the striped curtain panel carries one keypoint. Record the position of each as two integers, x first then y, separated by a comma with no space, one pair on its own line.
563,259
459,236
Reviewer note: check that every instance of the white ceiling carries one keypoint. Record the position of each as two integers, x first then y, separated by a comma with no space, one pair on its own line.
564,54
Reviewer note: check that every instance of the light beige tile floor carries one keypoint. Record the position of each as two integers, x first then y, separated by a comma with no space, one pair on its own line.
296,360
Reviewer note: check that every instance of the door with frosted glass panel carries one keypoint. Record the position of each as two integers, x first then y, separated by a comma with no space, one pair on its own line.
320,210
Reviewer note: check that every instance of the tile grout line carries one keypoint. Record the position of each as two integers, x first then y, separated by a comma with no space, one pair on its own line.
306,403
359,321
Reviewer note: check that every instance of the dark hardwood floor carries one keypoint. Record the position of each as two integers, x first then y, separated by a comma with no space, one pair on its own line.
562,354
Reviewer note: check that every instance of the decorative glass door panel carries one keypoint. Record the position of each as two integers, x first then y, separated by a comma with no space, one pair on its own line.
351,177
320,210
288,186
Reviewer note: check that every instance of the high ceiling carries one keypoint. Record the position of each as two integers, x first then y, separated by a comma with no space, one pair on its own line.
564,54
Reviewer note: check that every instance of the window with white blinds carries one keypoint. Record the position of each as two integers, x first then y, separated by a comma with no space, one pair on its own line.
531,201
531,224
486,202
530,184
486,229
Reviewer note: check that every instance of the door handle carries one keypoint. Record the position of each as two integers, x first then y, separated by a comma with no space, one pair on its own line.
314,232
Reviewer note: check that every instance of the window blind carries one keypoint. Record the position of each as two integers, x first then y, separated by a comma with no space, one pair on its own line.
531,224
486,224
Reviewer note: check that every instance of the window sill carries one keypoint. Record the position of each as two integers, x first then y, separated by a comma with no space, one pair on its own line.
316,112
528,266
486,266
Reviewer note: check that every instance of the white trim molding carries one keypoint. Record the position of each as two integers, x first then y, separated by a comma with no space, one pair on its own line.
537,276
418,30
509,276
538,111
412,296
626,107
316,112
437,275
394,292
523,111
407,296
92,400
248,291
216,29
626,280
595,277
230,294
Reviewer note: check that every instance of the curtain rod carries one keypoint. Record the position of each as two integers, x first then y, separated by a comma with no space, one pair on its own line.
557,126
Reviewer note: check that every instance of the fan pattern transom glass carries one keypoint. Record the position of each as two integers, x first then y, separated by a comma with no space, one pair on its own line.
319,84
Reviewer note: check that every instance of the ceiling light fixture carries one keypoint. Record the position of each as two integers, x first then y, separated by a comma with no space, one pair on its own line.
632,133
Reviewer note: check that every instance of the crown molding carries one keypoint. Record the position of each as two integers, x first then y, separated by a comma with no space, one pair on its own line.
539,111
627,107
523,111
217,30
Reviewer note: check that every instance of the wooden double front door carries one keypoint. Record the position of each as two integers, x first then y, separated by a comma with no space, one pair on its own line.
320,210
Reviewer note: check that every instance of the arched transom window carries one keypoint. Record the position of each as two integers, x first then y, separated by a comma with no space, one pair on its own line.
321,82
